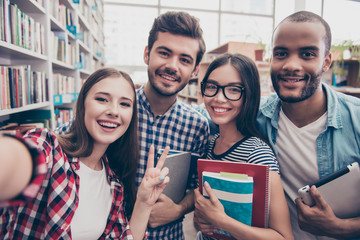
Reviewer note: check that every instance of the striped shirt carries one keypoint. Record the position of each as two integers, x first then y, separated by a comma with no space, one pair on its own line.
181,128
249,149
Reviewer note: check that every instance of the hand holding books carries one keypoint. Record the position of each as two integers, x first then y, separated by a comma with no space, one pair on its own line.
243,190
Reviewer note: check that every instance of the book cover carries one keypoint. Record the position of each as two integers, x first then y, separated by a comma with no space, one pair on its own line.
179,167
261,186
235,192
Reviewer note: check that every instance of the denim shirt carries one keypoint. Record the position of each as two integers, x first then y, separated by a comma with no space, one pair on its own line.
338,145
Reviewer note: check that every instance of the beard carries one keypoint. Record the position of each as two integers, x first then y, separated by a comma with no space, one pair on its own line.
164,89
313,82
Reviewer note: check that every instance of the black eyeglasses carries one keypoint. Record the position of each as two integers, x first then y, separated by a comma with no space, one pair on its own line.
231,92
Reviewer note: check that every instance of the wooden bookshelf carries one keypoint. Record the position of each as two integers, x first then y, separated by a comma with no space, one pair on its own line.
63,40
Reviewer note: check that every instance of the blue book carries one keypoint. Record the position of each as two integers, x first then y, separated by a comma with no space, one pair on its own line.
235,192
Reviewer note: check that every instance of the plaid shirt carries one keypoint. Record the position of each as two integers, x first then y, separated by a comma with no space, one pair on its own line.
183,129
49,213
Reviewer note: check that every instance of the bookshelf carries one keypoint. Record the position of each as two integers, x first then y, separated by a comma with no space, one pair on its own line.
47,49
191,96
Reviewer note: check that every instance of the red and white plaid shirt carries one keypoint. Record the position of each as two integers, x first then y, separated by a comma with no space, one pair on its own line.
46,207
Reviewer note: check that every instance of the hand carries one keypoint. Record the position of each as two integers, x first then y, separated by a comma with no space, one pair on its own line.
199,223
161,213
155,179
208,211
318,219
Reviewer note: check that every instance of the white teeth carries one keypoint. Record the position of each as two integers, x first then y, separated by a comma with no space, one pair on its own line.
297,80
168,78
220,110
108,124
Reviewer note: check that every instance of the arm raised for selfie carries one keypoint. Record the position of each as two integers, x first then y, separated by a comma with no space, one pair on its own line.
152,185
16,166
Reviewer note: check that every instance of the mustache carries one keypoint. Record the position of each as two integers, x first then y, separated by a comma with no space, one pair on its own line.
292,75
168,72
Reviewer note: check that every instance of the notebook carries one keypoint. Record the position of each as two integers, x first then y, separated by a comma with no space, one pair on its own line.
179,167
261,186
235,192
340,190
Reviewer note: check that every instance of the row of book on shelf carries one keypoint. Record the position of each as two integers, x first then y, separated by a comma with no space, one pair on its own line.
20,123
20,29
20,86
62,49
61,13
63,84
62,115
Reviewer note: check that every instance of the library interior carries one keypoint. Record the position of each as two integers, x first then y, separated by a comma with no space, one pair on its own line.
48,48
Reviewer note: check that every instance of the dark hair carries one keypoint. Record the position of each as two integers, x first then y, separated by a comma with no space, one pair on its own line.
180,23
305,16
246,119
122,154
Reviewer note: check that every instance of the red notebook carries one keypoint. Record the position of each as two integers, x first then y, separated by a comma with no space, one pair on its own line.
261,194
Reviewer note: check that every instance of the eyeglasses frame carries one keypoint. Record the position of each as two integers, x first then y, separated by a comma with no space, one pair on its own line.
223,90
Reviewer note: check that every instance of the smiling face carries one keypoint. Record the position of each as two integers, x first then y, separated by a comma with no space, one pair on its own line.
298,60
171,62
223,111
109,109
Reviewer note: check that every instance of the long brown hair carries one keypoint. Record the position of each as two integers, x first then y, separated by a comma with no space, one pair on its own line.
122,154
246,119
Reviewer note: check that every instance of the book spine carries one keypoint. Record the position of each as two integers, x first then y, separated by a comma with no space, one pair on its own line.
1,88
7,21
8,90
267,199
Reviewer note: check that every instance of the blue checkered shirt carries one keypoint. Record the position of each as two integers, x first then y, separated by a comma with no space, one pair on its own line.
181,128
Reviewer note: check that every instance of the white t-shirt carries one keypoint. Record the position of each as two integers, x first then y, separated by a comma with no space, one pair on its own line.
95,200
297,158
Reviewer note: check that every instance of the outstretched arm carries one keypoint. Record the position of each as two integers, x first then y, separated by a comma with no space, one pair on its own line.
152,185
321,220
15,167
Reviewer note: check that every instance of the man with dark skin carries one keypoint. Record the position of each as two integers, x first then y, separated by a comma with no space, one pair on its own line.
313,129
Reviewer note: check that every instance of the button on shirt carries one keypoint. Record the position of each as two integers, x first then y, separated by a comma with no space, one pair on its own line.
181,128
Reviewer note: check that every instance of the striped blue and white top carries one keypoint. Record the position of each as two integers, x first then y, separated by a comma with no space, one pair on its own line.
249,149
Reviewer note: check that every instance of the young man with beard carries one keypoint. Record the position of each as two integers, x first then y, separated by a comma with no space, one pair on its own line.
313,129
174,51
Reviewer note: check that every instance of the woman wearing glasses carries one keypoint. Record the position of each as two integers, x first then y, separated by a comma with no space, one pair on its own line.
231,91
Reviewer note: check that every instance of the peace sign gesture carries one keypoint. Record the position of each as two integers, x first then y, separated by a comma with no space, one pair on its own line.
155,178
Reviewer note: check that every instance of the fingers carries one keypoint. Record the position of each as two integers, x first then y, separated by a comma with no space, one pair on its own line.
210,192
162,184
197,193
319,201
150,162
163,179
162,158
300,206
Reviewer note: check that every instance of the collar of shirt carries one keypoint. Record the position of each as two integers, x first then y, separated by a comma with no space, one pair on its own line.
143,101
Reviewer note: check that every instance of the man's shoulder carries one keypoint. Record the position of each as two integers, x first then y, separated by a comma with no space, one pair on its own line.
342,101
268,100
189,112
